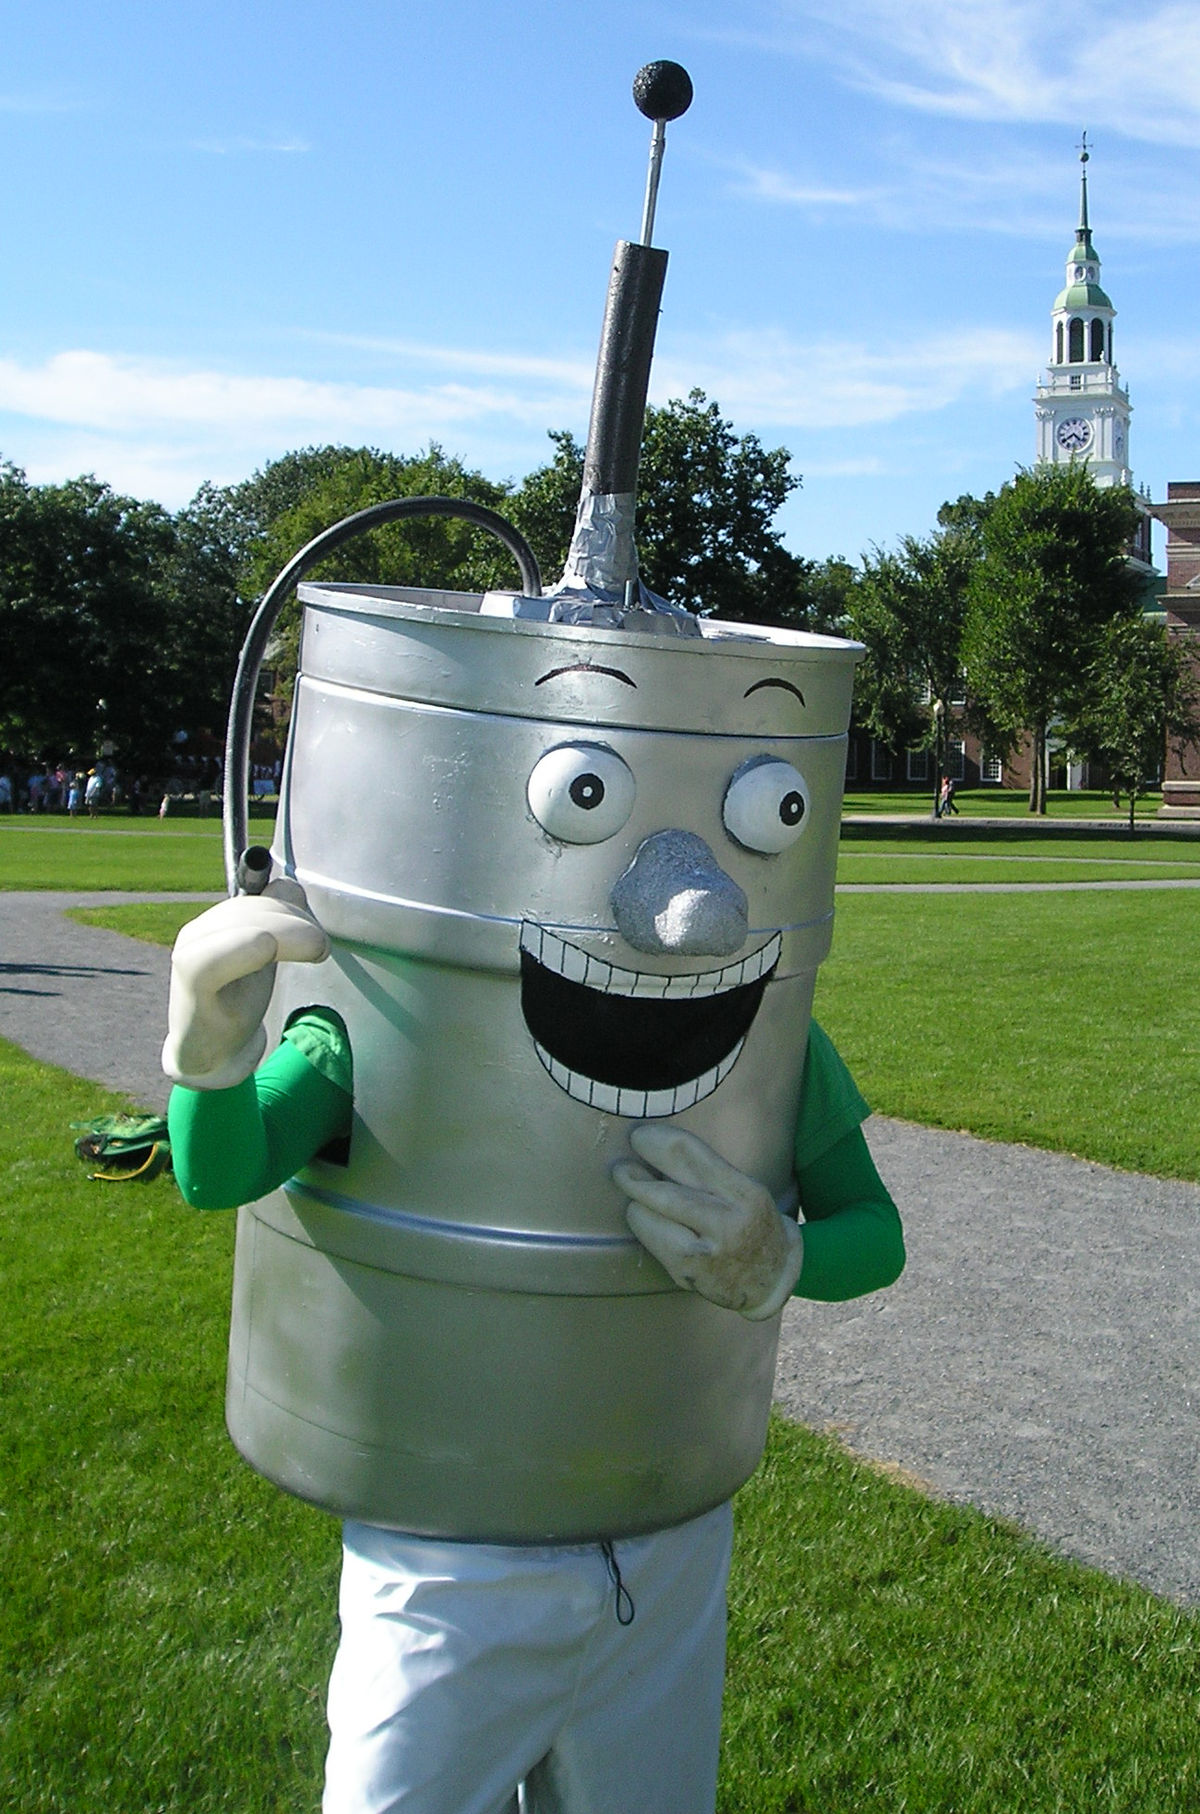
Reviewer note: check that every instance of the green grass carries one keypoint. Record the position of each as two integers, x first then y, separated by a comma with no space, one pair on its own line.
155,922
1068,1021
892,854
999,803
117,853
891,1652
170,1619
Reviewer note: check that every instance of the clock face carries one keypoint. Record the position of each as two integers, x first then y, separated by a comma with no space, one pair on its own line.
1074,434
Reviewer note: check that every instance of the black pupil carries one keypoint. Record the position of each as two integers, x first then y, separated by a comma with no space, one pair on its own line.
587,791
791,808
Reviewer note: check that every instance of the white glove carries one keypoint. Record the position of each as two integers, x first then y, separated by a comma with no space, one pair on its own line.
715,1230
222,975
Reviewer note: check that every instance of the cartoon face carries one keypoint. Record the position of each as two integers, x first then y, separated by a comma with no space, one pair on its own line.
640,1042
642,832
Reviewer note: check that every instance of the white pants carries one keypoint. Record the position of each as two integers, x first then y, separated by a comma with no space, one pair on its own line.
468,1672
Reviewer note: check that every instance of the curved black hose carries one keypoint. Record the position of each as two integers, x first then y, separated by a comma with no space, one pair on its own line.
245,685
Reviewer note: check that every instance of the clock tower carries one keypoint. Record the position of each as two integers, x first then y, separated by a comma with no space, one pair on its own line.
1082,411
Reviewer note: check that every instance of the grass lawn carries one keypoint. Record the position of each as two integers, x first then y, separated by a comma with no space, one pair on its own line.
1067,1021
169,1618
156,922
116,852
884,861
1000,803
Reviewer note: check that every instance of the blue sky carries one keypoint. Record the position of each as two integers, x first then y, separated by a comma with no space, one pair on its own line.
234,229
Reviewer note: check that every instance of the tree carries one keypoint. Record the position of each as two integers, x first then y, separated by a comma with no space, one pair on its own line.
1053,574
909,611
293,499
272,515
967,514
1139,695
707,500
113,618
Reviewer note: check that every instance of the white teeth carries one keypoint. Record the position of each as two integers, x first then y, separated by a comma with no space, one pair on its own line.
638,1105
644,985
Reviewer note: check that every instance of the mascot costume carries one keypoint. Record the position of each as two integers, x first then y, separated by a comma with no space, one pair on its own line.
545,1138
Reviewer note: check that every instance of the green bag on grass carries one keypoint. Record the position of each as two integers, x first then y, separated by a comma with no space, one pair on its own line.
124,1147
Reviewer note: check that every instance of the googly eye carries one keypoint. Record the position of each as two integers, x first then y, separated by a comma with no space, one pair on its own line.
581,793
766,805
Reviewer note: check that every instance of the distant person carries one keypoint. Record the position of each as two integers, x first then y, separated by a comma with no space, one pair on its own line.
92,792
6,793
948,791
75,796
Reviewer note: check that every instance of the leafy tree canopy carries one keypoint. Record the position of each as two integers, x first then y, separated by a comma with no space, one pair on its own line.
909,611
1054,573
292,499
1139,694
119,622
708,498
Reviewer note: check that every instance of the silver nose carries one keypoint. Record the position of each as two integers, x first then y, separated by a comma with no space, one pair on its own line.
676,897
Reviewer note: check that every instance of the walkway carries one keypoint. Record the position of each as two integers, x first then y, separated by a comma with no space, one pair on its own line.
1038,1359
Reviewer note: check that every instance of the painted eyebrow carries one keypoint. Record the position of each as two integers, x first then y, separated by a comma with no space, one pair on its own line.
586,667
785,684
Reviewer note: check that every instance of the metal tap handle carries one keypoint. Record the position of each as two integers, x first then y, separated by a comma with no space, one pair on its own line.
662,91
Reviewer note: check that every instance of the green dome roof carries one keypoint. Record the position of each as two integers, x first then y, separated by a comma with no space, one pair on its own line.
1082,296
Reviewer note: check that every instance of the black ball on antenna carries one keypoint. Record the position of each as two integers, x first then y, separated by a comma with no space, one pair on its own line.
662,91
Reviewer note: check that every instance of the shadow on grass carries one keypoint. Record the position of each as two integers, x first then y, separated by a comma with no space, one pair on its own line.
1032,831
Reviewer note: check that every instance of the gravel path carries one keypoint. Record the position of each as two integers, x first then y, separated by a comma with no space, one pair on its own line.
1038,1359
1039,1356
84,998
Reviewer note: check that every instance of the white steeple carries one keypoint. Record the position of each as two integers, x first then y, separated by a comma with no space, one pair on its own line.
1082,411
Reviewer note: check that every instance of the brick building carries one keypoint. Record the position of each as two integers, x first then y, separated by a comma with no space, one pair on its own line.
1181,514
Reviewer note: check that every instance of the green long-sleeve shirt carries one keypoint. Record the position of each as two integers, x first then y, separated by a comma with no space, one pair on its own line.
233,1146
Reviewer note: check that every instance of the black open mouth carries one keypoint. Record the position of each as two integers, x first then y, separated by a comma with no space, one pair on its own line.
633,1042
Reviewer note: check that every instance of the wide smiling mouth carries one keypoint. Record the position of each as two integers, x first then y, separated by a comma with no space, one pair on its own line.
634,1042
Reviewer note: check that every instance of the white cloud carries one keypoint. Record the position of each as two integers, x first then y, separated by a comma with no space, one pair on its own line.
123,395
1019,193
569,373
157,430
761,184
46,100
777,381
233,146
1021,59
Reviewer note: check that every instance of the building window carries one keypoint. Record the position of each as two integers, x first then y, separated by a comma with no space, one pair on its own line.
991,768
881,761
955,765
1076,381
1058,358
1075,342
1097,339
918,765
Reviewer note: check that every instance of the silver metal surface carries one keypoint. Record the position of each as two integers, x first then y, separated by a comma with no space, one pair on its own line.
658,144
455,1333
600,551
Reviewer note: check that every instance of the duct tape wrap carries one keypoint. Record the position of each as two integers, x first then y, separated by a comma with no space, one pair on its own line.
601,557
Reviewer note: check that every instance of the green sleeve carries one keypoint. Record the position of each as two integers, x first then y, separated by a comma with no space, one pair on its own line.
233,1146
852,1237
